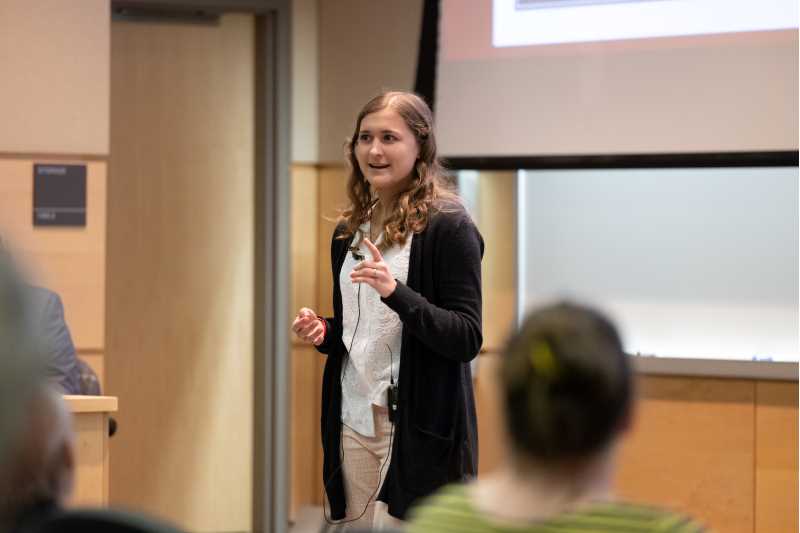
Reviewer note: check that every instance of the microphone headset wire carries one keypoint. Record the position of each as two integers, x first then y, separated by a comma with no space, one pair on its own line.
359,257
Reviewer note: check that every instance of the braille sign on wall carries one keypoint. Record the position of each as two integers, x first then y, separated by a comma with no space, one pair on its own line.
59,195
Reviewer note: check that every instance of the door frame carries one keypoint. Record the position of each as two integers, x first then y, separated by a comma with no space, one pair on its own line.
271,401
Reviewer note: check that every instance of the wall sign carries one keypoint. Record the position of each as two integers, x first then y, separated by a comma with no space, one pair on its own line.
59,195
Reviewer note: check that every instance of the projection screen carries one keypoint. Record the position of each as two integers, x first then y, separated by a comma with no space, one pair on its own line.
577,77
699,266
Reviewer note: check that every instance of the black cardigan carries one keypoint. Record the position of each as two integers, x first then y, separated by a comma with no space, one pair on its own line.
435,435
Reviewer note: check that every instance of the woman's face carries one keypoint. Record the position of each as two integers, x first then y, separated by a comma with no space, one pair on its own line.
386,151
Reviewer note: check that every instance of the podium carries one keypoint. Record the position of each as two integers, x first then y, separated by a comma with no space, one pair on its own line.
90,420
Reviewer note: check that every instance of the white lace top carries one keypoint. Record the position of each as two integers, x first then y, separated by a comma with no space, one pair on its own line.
366,373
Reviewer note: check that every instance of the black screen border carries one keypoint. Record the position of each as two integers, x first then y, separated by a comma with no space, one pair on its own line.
655,160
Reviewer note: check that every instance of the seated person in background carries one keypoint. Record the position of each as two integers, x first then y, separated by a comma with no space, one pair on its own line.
62,364
89,384
566,388
48,315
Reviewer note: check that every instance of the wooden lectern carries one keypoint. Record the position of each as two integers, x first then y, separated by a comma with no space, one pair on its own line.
91,414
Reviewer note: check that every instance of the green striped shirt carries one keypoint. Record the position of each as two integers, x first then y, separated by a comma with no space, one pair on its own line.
451,510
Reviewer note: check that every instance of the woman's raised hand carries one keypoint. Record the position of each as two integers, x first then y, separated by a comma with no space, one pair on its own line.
309,327
375,272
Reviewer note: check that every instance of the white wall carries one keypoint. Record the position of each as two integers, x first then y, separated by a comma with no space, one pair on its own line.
305,81
54,77
690,262
365,46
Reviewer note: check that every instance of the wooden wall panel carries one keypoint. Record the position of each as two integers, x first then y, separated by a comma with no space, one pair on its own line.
318,195
91,489
68,260
90,416
496,221
55,88
181,271
305,389
332,199
304,240
691,448
492,441
776,457
306,459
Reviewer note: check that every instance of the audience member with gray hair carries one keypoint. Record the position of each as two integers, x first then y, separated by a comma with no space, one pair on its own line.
22,372
38,480
21,359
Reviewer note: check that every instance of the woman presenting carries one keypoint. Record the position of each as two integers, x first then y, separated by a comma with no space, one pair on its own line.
398,410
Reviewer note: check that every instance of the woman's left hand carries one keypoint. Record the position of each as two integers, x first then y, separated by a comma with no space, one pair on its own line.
374,273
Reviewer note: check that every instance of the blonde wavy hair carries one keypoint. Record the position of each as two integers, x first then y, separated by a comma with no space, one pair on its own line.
428,188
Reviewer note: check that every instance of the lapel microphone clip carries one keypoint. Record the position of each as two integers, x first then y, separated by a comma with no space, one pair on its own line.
356,253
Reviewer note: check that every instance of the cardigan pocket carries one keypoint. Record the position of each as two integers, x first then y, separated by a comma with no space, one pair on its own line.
427,465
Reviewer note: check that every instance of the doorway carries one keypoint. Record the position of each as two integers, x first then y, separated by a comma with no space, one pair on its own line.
192,274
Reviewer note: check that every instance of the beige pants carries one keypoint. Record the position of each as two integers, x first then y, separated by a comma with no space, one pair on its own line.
366,461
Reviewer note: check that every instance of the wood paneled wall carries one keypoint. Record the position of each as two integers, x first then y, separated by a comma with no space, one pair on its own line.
318,193
91,420
776,450
68,260
722,450
306,361
496,221
692,448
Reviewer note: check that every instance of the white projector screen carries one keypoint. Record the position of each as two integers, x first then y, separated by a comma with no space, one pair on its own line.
694,263
583,77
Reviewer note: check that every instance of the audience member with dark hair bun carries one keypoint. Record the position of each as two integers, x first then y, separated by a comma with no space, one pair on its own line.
566,384
566,390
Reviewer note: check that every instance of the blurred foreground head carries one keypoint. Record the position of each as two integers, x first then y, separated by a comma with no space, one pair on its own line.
35,427
41,466
21,359
566,384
